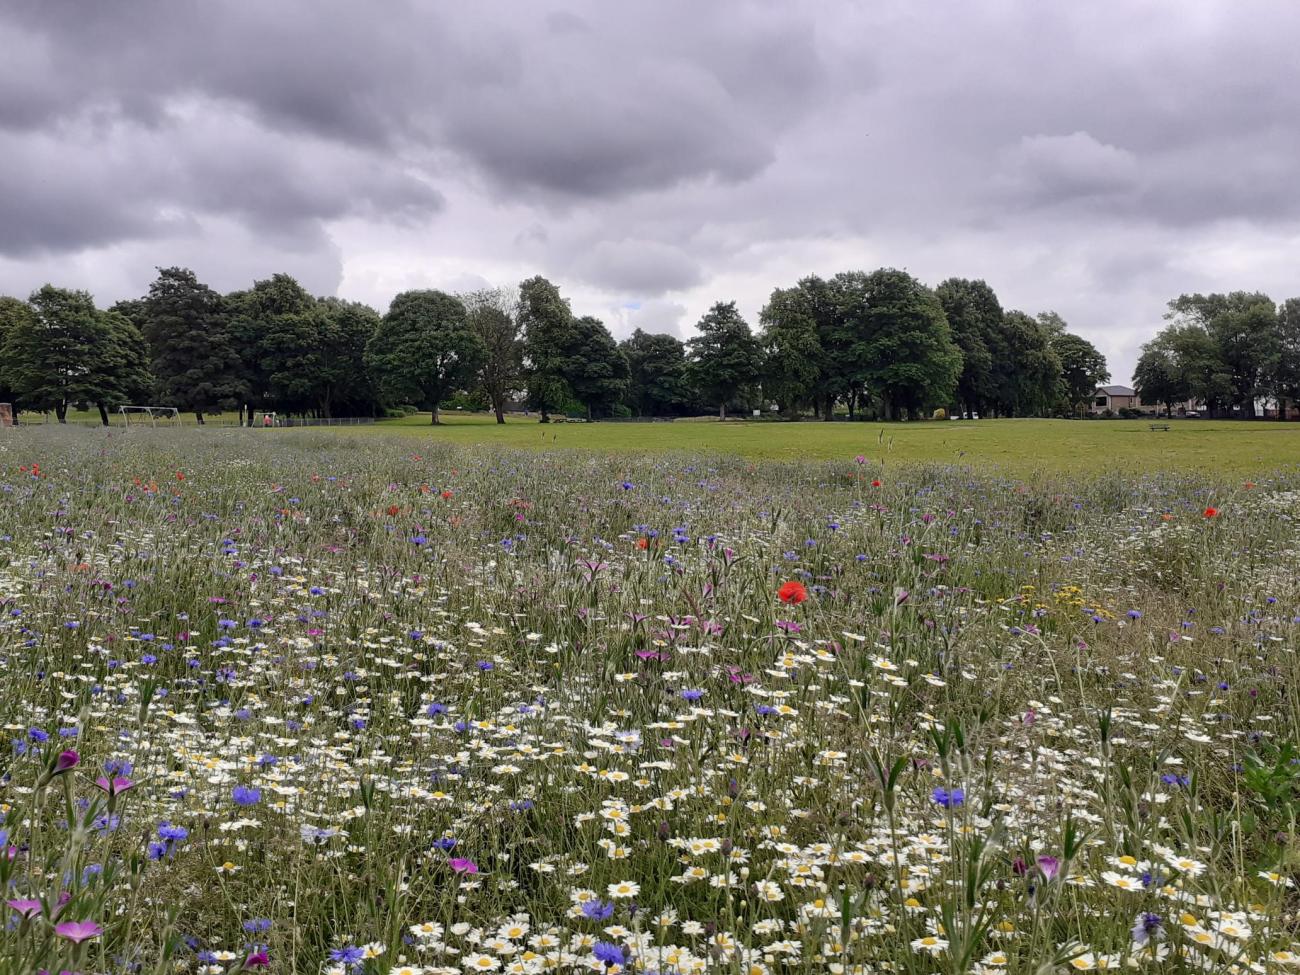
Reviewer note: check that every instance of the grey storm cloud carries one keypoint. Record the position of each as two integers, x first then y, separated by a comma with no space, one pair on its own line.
659,154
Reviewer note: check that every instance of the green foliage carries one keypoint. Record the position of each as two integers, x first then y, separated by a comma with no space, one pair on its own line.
1083,368
975,318
494,316
898,341
549,336
793,355
424,349
192,353
657,374
725,358
66,352
1027,370
595,369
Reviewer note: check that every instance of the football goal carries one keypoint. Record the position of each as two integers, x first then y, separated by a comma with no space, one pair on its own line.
149,414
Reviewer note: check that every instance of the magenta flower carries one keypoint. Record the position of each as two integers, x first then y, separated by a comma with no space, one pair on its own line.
1050,866
258,959
66,761
461,865
78,931
116,786
27,908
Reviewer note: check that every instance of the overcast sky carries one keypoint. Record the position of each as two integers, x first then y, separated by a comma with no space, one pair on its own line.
652,157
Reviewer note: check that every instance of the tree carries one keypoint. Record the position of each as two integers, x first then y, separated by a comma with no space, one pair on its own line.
192,355
1284,376
424,350
494,316
549,332
792,351
975,319
898,340
12,311
68,353
1083,367
1243,328
725,358
656,373
126,378
595,368
344,331
1026,369
278,328
1158,378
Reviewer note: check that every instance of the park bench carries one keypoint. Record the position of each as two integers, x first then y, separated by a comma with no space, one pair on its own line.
1160,426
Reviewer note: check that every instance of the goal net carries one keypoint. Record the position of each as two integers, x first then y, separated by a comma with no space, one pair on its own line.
149,414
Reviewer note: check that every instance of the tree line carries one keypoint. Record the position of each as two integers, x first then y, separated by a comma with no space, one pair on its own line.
877,345
1225,351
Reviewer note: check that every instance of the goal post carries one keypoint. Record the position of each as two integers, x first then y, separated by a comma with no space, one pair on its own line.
152,414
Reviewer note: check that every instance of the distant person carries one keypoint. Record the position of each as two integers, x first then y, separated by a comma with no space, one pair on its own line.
266,421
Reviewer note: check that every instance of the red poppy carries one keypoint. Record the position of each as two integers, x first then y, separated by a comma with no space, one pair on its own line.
792,592
643,543
875,483
446,495
180,476
1248,485
393,510
1211,512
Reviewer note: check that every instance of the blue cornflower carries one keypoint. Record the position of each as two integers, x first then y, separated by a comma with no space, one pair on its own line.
948,799
246,795
435,709
608,953
348,955
597,910
692,694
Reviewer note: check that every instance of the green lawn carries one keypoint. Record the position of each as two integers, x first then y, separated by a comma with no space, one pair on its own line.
1228,448
1019,446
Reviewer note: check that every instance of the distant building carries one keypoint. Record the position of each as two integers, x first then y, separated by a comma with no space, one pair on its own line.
1116,398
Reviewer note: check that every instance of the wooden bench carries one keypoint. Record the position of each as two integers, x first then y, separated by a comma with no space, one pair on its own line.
1160,426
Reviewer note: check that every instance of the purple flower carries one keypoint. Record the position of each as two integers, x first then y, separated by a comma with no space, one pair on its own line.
597,910
25,908
948,800
66,761
608,953
462,865
692,694
1050,867
246,795
78,931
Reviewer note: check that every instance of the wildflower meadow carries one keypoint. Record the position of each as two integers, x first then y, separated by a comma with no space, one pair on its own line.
305,702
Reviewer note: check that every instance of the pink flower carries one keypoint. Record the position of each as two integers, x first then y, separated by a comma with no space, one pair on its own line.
78,931
116,786
26,908
258,959
461,865
1050,866
66,761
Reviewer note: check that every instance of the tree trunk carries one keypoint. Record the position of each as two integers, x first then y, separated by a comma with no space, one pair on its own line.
588,412
501,414
545,416
198,417
103,414
722,411
433,417
61,412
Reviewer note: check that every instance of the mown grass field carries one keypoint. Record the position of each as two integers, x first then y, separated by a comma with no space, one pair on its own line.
363,704
1020,446
1017,446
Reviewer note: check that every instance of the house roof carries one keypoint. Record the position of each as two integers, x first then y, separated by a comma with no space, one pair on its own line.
1116,390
